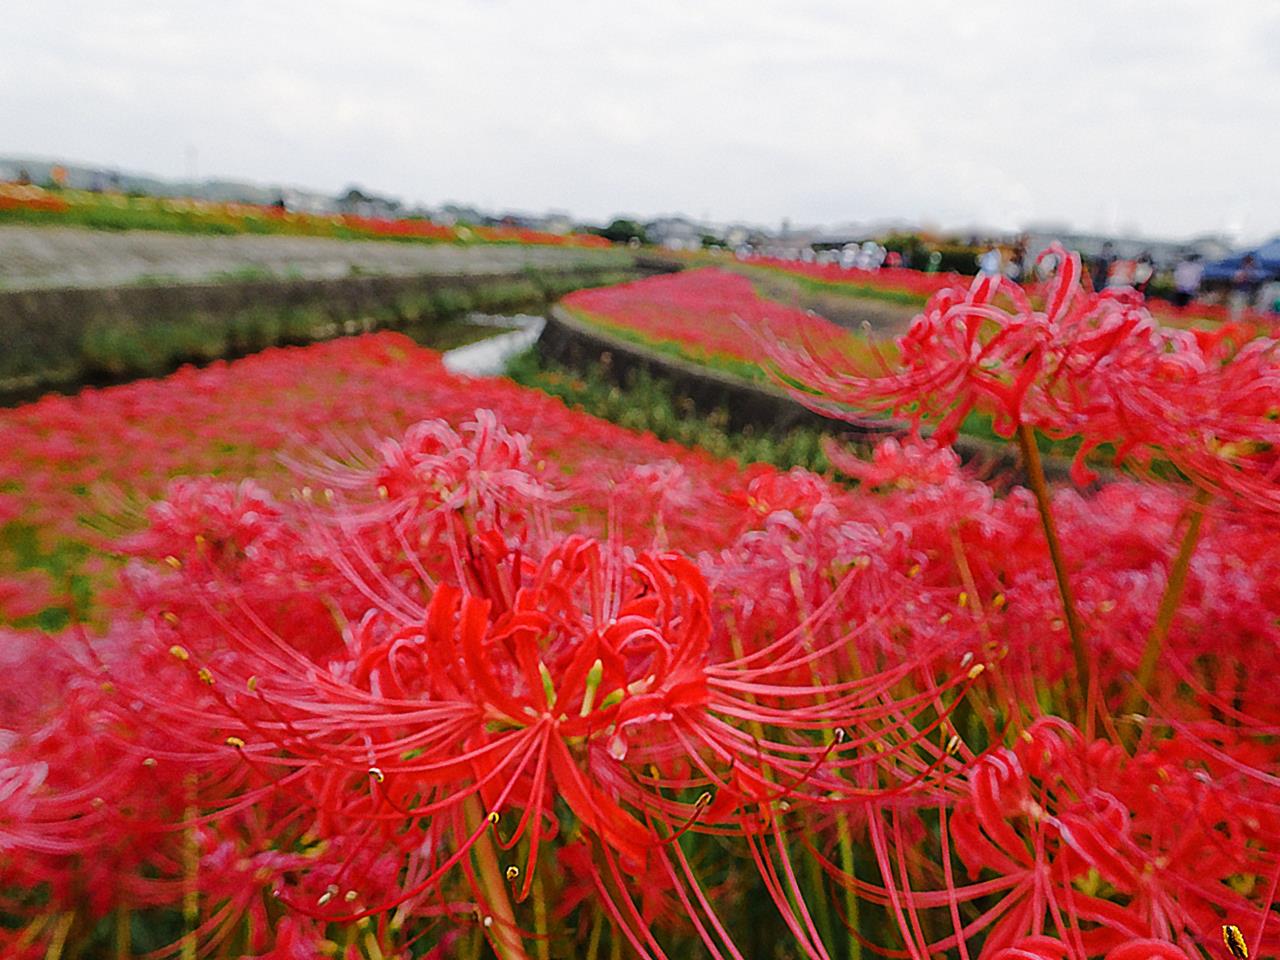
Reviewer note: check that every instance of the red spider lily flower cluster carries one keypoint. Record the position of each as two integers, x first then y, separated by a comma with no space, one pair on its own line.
509,679
476,672
1074,838
1096,366
701,313
924,285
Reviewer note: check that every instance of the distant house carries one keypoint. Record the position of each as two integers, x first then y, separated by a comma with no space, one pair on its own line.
304,201
674,233
555,222
453,213
355,202
1165,253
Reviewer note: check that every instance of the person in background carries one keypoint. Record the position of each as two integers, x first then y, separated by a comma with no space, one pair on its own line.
1100,269
1186,279
1017,268
1269,296
989,262
1245,284
1144,268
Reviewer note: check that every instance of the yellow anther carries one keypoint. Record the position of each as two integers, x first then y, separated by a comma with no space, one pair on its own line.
976,670
235,742
205,675
963,599
349,896
704,798
330,892
1235,942
382,491
953,745
149,762
252,683
512,872
914,571
493,817
200,540
169,617
999,601
173,561
179,652
377,774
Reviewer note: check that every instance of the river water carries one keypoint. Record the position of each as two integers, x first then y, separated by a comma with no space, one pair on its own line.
488,357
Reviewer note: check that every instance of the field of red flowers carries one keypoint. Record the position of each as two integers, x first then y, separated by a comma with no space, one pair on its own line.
709,315
24,203
412,665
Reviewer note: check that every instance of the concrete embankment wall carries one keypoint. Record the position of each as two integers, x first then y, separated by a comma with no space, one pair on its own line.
757,407
66,337
571,342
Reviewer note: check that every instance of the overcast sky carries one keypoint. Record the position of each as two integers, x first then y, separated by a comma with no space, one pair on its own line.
1159,116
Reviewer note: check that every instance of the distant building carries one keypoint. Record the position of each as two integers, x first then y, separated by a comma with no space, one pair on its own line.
1164,253
355,202
452,214
555,222
675,233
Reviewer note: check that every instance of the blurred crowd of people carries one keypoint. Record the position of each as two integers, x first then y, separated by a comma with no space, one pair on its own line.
1251,286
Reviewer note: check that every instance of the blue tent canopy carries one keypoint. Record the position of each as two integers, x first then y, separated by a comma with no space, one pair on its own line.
1266,257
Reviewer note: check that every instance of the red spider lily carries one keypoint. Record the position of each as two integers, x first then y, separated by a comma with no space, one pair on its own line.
576,670
82,470
1092,365
308,701
1063,835
1047,948
25,594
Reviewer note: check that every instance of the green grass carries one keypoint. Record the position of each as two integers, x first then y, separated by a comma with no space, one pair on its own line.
649,404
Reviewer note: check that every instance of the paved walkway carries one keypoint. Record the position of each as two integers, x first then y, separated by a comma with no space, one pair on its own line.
74,257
